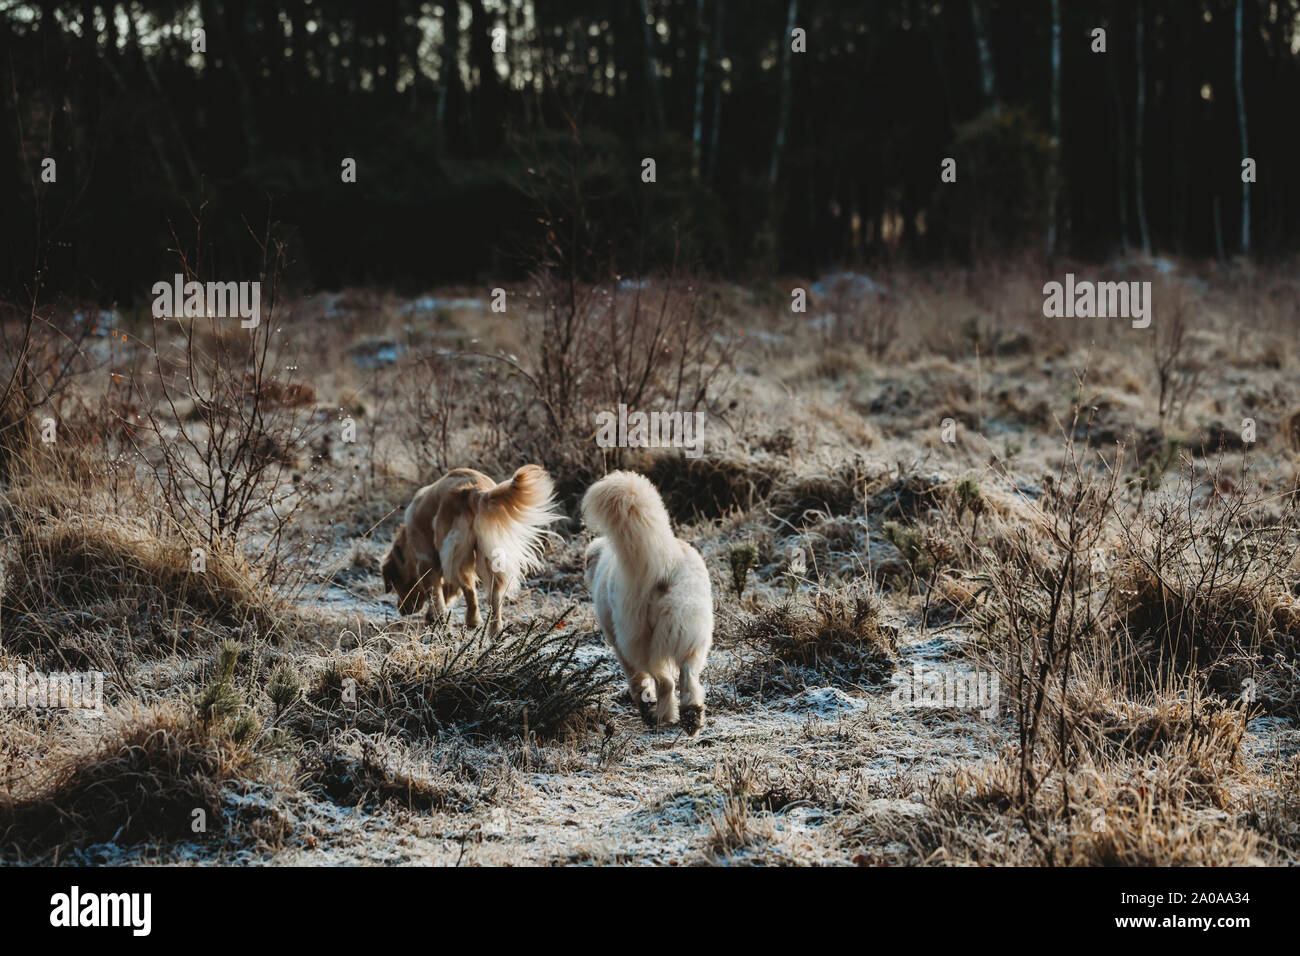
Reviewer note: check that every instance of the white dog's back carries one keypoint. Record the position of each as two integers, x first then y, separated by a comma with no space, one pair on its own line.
652,595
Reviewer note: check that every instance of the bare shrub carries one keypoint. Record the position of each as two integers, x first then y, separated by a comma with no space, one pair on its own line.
1201,589
1048,601
226,442
657,346
462,410
1123,637
42,352
1178,368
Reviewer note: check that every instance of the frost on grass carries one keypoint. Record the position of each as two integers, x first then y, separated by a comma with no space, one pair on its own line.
837,636
145,778
529,682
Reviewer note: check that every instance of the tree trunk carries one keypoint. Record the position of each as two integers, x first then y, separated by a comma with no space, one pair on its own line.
651,67
1238,74
701,58
486,98
988,77
448,70
1054,167
1138,123
716,123
1121,159
783,120
298,24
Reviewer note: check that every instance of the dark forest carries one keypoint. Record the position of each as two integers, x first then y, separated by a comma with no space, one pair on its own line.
477,127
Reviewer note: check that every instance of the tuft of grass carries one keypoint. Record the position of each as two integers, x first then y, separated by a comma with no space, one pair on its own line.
733,829
707,487
1240,635
742,558
356,769
141,781
838,636
531,683
1174,804
77,573
284,688
969,496
804,497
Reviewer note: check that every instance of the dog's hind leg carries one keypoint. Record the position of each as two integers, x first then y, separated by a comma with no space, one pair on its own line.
496,592
437,609
666,708
642,686
692,694
472,619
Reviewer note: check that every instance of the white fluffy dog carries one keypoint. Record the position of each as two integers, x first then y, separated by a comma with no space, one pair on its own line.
653,598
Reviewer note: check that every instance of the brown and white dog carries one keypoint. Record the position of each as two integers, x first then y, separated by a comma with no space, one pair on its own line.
653,598
465,527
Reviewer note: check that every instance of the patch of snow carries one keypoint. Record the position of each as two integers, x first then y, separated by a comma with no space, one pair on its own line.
377,353
826,701
852,283
428,303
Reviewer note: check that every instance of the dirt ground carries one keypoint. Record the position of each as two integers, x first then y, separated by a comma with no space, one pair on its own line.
895,445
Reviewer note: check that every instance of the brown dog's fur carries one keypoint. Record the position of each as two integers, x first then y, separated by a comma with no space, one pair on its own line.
464,527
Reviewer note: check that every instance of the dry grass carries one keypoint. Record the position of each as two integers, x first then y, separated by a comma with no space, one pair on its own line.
356,769
234,689
1156,788
838,636
142,779
521,684
65,577
707,487
804,498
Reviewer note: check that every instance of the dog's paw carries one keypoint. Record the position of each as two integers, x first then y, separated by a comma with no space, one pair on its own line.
647,709
692,718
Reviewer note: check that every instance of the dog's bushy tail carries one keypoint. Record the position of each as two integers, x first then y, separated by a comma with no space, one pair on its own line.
510,523
626,508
